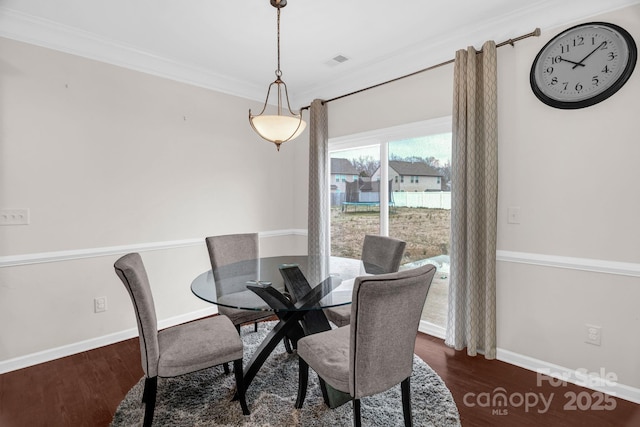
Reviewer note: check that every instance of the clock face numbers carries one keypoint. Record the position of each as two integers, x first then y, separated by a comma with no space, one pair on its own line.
582,66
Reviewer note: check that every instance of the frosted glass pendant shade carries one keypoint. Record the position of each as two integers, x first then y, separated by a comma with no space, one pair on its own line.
278,129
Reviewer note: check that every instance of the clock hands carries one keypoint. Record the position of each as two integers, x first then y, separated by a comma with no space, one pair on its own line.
572,62
592,52
576,64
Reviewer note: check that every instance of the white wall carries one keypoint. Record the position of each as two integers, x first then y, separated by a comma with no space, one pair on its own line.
104,156
107,157
542,310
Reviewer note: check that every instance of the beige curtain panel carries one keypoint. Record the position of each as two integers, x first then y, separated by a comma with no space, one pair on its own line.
472,287
319,246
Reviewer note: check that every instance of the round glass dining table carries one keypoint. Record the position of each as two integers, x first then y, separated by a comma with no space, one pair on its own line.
290,287
238,285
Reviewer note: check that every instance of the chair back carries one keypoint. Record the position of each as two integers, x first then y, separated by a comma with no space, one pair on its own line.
385,314
131,271
231,250
382,254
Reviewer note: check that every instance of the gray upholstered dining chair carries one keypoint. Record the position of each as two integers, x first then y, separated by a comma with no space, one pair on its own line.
374,352
380,255
181,349
230,249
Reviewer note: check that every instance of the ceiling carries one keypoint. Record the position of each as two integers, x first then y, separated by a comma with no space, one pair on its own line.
230,46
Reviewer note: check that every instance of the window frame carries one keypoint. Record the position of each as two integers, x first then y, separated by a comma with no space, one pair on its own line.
381,138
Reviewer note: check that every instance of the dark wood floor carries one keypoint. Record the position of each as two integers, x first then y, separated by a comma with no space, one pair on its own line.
467,377
85,389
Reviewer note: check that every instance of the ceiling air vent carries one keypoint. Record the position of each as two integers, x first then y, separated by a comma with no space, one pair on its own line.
337,60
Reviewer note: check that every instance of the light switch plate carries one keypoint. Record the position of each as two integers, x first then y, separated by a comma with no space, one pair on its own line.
14,216
513,215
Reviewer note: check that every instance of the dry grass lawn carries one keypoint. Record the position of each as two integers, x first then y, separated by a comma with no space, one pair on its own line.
426,231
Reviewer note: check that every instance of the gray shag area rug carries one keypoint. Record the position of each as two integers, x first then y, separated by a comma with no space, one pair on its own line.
204,398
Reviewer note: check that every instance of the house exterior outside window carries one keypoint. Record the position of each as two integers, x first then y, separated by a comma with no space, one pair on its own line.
421,152
342,172
422,176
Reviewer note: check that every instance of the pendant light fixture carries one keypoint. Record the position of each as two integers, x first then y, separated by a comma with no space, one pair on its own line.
283,126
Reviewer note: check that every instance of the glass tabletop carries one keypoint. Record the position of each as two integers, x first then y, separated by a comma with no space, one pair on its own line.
230,285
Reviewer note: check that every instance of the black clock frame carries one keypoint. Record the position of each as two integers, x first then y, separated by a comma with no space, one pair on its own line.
565,105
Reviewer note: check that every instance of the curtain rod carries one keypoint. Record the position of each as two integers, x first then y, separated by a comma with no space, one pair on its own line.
534,33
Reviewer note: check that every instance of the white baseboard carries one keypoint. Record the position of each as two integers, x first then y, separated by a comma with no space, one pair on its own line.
622,391
608,267
93,343
578,377
432,329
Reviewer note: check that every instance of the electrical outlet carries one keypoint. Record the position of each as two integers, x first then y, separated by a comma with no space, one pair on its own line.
99,304
594,334
14,217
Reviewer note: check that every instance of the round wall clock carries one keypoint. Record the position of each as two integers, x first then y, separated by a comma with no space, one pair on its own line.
583,65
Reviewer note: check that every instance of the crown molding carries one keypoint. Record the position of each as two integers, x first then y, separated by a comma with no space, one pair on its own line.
419,55
52,35
427,53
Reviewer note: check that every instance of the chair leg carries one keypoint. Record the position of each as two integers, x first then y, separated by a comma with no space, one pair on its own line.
149,399
406,402
226,366
240,391
356,413
287,345
303,377
325,394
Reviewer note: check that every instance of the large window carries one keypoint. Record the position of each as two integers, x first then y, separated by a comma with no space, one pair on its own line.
416,209
354,211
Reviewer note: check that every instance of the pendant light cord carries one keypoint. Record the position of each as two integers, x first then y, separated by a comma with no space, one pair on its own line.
278,72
